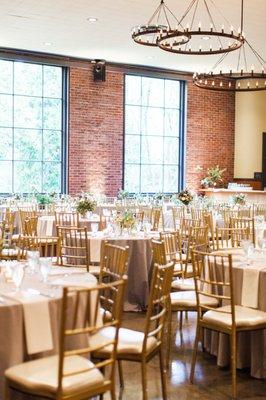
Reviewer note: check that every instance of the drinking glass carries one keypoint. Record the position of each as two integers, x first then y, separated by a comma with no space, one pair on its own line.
245,244
45,267
94,227
33,260
18,275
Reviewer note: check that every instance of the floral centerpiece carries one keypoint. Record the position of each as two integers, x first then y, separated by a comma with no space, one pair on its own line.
185,197
239,199
126,220
85,204
214,176
123,194
158,198
44,199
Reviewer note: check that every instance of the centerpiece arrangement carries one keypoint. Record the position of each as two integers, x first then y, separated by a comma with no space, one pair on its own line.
125,220
86,204
214,177
44,199
239,199
185,197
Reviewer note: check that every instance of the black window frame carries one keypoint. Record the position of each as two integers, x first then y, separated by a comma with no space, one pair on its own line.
64,121
182,127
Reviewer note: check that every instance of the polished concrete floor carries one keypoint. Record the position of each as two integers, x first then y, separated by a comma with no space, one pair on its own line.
211,382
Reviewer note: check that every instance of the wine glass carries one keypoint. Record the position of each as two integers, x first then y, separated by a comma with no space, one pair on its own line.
45,267
94,227
18,275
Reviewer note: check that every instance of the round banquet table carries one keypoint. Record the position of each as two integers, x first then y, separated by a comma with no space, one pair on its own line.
138,268
251,346
14,347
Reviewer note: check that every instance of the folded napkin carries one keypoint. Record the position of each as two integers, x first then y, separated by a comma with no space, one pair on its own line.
95,249
81,280
250,287
36,320
66,270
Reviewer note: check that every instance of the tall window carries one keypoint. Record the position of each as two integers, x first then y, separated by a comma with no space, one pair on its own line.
31,127
154,115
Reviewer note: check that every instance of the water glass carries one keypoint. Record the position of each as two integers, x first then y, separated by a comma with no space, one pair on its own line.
18,275
45,267
33,260
94,227
245,244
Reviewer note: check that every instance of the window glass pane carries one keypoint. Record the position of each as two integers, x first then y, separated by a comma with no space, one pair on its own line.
132,149
27,144
28,79
171,149
171,178
152,134
6,140
152,92
5,176
152,121
51,177
172,94
132,120
52,81
171,123
151,150
52,145
27,112
52,114
30,127
133,89
131,180
6,110
27,176
6,76
151,178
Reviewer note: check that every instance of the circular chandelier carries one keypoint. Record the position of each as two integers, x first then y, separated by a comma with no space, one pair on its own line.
158,24
241,78
159,31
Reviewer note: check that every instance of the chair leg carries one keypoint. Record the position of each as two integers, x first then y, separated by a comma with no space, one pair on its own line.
181,320
169,338
112,393
195,351
120,372
163,374
233,363
186,315
144,380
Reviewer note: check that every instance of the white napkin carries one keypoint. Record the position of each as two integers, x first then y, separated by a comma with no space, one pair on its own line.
95,249
66,271
81,280
36,320
250,287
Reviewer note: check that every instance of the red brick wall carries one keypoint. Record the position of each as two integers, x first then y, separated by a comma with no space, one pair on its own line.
96,132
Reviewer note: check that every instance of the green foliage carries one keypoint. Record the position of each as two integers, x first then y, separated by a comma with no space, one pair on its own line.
85,205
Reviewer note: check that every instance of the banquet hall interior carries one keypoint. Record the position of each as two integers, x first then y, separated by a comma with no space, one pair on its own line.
132,199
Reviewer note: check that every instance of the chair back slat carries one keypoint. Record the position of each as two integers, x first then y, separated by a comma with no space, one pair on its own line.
75,247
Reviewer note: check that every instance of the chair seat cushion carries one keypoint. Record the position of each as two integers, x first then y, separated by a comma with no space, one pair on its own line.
41,376
183,285
129,341
187,300
244,317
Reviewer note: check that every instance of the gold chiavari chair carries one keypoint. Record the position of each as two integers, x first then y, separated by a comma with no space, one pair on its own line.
25,214
214,280
74,247
197,213
142,347
178,214
70,375
113,262
47,247
248,223
227,238
9,218
227,215
187,223
172,251
259,209
156,215
30,226
69,219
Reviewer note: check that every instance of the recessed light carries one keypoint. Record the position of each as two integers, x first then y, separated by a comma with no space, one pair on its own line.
92,19
47,44
205,37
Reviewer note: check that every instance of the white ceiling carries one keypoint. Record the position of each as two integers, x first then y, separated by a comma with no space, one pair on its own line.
28,24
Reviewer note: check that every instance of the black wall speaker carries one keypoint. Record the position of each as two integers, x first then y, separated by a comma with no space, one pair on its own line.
99,71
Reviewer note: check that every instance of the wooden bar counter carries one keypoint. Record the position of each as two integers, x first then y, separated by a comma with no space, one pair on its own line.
223,195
